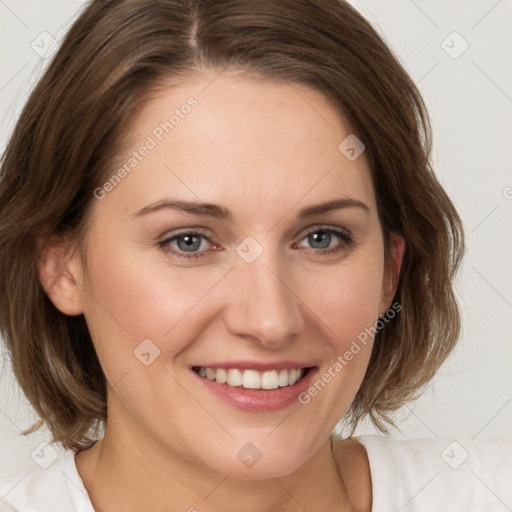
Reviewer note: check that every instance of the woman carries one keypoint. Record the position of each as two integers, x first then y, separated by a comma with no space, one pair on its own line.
221,235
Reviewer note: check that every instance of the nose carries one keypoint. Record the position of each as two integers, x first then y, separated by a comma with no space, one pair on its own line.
262,303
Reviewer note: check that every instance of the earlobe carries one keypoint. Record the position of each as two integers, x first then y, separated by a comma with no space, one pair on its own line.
58,275
392,268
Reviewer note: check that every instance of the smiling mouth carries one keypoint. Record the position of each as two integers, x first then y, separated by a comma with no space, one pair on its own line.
253,379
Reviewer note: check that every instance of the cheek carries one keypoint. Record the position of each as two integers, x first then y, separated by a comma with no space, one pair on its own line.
345,305
131,298
346,300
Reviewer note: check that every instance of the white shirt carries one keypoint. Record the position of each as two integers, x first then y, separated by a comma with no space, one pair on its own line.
417,475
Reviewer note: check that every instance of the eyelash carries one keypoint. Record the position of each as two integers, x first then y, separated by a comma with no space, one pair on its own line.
344,236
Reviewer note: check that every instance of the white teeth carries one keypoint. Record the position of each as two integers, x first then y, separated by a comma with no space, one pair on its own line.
221,376
252,379
283,378
234,378
269,380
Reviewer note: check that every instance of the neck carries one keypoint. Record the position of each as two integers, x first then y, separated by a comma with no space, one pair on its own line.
124,473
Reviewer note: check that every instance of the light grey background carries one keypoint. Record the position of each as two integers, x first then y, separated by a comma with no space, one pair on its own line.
470,101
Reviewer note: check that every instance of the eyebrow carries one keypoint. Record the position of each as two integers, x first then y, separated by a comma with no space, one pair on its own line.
221,213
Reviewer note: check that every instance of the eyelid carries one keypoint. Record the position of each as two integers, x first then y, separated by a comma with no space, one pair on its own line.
304,232
184,231
323,227
345,236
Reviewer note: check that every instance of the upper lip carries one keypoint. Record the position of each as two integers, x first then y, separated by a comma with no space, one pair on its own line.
257,365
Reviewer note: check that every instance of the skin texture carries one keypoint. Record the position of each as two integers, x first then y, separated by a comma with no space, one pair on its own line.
264,151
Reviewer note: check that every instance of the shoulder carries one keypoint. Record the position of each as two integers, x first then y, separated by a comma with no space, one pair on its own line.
36,489
452,473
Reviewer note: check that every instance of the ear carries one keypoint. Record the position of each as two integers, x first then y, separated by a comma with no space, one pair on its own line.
60,274
392,267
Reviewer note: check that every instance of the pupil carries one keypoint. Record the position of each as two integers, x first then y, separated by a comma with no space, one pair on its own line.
189,242
322,237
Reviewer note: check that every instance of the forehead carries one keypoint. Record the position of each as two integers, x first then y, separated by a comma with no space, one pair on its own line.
232,139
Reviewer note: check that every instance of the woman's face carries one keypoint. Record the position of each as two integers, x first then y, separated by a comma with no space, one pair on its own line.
240,242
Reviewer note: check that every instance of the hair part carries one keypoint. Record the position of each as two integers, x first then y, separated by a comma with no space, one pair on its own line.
69,136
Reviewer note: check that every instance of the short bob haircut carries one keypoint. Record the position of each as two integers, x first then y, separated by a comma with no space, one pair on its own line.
114,58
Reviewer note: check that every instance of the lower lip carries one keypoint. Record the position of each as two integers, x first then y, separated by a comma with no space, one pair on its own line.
258,400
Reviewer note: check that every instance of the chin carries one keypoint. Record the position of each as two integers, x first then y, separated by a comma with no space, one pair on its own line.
260,460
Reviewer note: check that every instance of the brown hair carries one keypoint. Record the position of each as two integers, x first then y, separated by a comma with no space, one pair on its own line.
68,135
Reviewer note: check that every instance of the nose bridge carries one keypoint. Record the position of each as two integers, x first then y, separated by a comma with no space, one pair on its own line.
263,304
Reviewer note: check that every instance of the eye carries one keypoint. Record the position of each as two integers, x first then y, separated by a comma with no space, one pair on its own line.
327,240
194,244
188,244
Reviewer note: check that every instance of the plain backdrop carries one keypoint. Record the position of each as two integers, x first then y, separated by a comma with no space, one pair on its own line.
459,55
